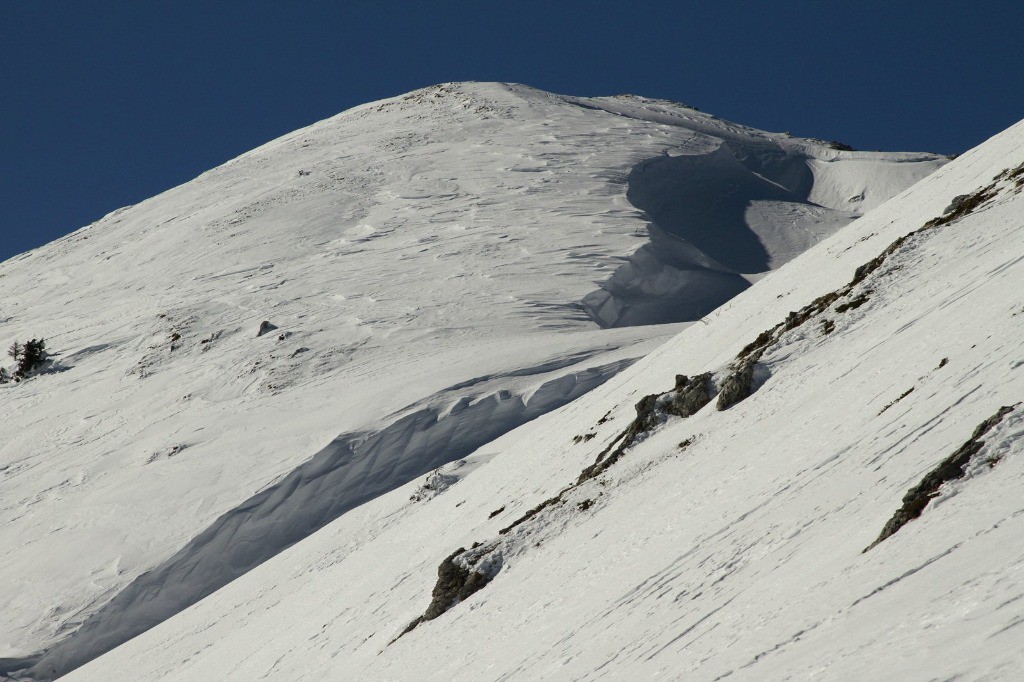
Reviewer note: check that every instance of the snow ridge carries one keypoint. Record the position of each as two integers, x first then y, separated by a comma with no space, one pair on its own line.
443,238
353,469
724,545
737,382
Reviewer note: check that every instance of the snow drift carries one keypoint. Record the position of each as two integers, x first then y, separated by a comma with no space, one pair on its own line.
462,235
726,543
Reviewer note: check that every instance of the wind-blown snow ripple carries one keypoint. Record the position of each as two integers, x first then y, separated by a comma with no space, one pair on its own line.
351,470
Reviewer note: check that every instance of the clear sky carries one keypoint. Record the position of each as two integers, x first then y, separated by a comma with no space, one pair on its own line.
106,103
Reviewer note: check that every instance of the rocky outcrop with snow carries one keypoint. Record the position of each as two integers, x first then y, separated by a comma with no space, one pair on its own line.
293,340
720,542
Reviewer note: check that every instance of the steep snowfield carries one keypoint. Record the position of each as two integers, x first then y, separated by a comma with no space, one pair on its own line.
729,544
439,268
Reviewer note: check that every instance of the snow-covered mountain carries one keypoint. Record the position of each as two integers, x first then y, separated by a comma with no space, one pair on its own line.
292,341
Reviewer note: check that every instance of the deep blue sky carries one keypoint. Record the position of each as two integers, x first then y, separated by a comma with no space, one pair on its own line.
104,104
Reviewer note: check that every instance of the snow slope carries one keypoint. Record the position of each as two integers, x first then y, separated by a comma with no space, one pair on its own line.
439,268
729,544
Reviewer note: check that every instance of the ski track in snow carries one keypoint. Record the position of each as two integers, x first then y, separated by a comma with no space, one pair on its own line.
433,263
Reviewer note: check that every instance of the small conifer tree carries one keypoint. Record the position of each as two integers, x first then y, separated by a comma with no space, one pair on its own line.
28,356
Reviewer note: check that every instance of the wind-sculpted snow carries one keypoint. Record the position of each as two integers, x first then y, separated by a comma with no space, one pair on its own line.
714,223
723,545
352,470
217,336
734,385
466,572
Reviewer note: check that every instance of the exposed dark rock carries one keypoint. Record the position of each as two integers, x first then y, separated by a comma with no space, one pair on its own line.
867,268
455,583
949,469
533,512
691,394
942,363
1010,173
603,460
964,204
827,327
853,303
760,343
737,386
265,327
496,512
1017,175
901,397
839,146
458,580
753,351
957,200
647,417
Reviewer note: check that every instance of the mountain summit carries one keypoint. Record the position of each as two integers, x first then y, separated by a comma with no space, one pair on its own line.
298,337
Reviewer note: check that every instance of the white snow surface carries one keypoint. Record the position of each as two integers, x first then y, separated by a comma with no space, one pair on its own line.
441,268
739,556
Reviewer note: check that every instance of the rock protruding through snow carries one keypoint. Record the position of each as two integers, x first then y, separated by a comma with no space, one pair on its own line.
266,326
463,573
953,467
491,209
737,557
459,576
353,469
737,383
